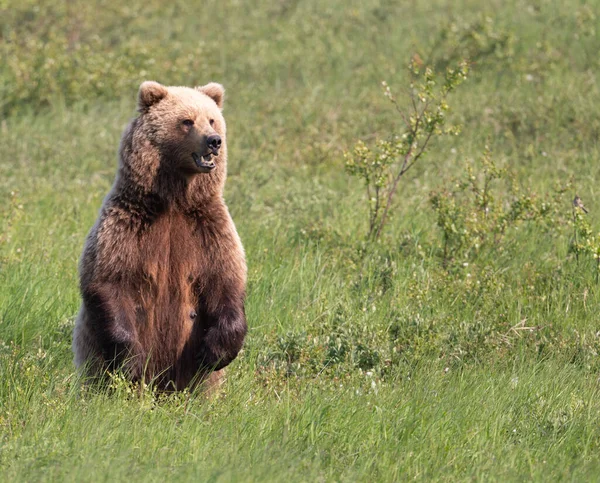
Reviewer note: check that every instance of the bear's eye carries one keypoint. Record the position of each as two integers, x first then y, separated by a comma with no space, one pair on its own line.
188,122
212,122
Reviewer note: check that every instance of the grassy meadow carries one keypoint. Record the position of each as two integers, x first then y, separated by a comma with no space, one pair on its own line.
463,344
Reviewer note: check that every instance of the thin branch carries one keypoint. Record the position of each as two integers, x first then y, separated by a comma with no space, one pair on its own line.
418,155
405,167
377,202
371,217
400,111
390,196
412,98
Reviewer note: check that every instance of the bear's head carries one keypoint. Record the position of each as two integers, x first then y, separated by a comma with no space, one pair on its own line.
185,124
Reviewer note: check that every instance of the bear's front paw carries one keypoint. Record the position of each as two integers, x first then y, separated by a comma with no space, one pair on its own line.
221,344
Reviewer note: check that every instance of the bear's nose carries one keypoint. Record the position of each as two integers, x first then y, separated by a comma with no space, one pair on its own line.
214,142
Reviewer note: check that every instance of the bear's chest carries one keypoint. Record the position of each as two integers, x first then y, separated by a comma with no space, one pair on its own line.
167,285
169,251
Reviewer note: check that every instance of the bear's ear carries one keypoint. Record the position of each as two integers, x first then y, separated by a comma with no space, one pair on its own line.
149,94
215,91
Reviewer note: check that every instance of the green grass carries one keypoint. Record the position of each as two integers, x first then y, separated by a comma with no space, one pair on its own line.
364,361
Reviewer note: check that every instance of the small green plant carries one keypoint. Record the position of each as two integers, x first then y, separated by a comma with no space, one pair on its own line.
381,167
480,39
473,215
585,241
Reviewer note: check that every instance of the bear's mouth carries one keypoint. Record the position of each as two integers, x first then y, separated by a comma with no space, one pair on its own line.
204,163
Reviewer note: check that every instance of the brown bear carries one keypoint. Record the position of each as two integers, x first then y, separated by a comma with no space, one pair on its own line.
163,272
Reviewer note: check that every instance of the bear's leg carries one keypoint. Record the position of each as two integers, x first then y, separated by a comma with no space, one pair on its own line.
105,335
88,354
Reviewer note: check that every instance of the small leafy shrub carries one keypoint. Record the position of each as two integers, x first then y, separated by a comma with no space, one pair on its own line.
366,357
337,349
345,344
474,215
478,40
382,166
584,242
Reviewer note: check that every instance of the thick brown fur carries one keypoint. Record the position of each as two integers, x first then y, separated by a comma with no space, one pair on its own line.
163,273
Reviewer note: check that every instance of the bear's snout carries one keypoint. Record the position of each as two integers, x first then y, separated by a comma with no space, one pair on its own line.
214,143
